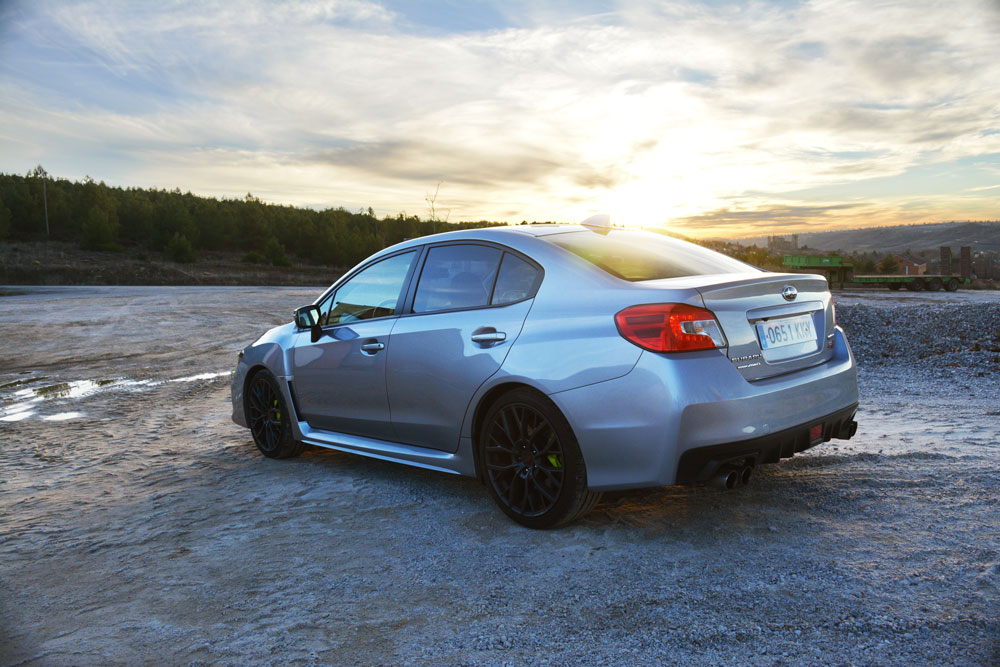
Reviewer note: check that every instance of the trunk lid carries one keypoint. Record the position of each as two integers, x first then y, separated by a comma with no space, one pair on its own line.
750,308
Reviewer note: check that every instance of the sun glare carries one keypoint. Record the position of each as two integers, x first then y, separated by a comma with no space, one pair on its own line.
666,184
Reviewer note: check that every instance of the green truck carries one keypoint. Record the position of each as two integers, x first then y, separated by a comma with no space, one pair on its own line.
916,283
833,267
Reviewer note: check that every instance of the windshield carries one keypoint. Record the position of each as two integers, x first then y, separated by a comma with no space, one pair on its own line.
638,255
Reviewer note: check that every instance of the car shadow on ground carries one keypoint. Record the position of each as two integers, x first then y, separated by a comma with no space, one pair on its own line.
790,492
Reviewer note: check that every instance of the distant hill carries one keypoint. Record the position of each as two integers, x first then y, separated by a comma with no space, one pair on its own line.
981,236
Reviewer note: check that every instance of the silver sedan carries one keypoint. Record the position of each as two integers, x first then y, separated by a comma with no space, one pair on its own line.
555,362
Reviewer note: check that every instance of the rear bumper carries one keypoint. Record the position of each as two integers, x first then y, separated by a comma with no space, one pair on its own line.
702,463
634,431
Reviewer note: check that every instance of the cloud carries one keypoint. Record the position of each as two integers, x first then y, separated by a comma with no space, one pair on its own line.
494,166
660,112
764,218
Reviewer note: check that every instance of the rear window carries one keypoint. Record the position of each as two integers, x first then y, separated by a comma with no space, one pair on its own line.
637,255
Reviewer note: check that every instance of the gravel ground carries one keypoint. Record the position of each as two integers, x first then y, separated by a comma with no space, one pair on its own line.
139,525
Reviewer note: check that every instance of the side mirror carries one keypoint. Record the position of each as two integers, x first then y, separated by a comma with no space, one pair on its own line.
308,317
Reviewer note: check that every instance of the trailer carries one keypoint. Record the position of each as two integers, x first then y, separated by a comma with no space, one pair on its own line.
915,283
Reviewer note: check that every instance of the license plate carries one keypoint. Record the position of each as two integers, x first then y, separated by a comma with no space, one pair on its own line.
786,331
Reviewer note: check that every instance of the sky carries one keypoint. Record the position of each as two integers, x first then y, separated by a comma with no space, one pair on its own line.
709,118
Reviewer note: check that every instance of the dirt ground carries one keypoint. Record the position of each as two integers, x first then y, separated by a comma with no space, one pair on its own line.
138,524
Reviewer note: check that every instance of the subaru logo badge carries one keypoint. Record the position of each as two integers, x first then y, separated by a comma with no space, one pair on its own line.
789,293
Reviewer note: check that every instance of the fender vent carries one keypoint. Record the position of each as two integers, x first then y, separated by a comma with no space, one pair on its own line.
295,402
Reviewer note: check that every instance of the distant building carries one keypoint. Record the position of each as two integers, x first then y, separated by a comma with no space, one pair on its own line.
779,245
910,265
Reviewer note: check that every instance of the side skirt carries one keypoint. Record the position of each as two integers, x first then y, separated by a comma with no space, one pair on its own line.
420,457
457,463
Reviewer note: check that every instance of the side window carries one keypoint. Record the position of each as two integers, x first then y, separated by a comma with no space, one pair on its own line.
517,280
371,293
456,276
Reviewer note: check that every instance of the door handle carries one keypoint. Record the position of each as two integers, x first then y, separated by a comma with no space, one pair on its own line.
372,347
489,337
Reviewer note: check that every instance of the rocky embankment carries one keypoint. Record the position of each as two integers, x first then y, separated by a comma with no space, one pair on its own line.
65,264
925,336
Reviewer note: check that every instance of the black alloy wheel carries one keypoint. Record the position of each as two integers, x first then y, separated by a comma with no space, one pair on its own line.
532,462
270,422
524,460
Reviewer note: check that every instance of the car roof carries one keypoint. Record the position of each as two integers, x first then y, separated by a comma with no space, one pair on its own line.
524,238
527,239
546,229
498,233
509,235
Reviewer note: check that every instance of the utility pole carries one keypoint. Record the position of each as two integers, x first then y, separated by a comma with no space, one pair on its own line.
39,171
45,206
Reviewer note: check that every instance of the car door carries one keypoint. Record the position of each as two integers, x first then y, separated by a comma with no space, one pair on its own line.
468,307
339,380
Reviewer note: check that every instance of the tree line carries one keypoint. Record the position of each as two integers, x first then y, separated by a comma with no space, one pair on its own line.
100,217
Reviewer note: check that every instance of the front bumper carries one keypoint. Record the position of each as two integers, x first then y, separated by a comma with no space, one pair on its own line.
236,393
634,431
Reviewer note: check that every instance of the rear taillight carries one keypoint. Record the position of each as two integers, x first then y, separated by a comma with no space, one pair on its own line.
670,327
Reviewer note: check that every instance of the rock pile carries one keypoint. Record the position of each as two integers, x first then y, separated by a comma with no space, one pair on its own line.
931,335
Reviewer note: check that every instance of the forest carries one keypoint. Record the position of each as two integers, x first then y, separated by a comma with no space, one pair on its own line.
96,216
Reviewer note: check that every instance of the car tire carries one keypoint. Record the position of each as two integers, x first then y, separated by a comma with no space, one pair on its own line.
268,417
915,285
532,463
895,286
952,285
935,285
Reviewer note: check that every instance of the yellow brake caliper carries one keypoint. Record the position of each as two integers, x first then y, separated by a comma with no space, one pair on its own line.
553,458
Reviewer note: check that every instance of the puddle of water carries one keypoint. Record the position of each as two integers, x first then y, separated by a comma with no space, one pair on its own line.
62,416
77,388
202,376
28,399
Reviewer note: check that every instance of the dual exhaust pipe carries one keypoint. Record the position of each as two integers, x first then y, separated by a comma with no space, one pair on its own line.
848,429
729,477
737,471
